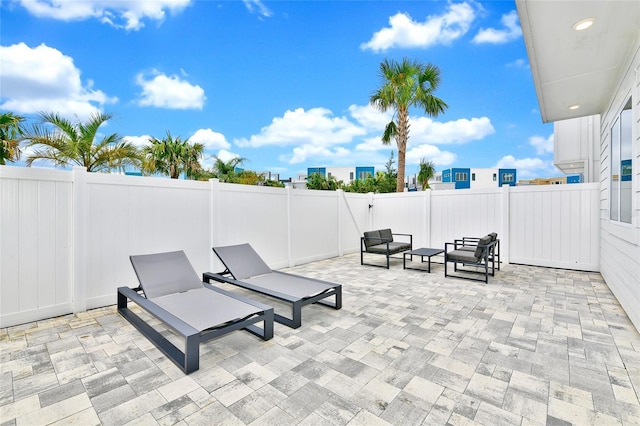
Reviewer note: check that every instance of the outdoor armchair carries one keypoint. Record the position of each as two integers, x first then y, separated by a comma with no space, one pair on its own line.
471,254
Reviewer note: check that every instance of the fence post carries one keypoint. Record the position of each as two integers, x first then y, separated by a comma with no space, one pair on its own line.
288,219
506,218
426,222
80,232
214,218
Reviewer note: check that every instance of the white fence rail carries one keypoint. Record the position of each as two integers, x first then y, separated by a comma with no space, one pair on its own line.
65,237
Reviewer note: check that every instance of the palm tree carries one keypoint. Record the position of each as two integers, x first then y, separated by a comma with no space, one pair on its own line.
226,169
68,144
172,156
405,85
426,172
10,131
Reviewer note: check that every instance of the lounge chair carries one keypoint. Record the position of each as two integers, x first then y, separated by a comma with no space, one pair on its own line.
249,271
171,291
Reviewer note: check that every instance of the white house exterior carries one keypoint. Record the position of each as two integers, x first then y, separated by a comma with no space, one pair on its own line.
593,75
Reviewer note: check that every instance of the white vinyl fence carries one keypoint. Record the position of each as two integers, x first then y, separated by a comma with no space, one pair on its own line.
66,236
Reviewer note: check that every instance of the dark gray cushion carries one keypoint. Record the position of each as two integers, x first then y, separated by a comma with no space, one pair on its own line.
482,246
371,238
394,247
462,256
386,235
494,236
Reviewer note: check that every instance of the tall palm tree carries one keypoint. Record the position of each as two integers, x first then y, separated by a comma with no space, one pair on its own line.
172,156
10,131
404,85
427,171
66,144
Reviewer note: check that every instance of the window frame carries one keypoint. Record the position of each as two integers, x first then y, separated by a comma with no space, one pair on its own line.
620,144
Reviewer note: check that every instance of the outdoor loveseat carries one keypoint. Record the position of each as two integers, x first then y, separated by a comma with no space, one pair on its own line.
479,253
381,242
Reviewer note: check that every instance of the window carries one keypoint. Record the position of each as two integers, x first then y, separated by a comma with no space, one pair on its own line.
329,175
507,177
621,167
462,176
364,175
350,175
473,177
494,177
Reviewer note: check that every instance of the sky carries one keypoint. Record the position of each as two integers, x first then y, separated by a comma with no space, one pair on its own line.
283,84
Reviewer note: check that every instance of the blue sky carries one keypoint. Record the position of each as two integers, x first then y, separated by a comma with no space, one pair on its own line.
284,84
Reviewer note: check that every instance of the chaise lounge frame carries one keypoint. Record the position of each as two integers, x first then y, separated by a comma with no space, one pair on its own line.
188,359
228,256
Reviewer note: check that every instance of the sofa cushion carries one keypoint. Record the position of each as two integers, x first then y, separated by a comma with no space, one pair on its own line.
462,256
371,238
394,247
386,235
482,243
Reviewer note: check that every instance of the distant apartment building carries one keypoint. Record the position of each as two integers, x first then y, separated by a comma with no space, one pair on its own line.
345,174
561,180
466,178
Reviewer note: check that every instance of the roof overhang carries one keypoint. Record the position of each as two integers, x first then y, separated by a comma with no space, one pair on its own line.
577,68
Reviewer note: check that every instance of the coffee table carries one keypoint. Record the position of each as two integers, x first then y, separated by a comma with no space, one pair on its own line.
422,252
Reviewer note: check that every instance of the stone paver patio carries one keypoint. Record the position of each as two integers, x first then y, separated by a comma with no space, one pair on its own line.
534,346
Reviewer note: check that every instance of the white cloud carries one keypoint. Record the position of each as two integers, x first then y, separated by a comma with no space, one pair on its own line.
370,118
210,139
463,130
127,14
519,63
431,153
138,141
528,168
511,31
209,161
256,6
317,153
404,32
44,79
315,127
169,92
541,144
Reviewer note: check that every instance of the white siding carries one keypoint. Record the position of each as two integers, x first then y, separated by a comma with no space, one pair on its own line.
620,243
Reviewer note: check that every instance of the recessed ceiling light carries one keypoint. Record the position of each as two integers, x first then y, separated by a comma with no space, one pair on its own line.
572,107
583,24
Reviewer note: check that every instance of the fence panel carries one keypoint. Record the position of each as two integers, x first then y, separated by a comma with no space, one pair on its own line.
255,215
132,215
471,212
35,244
555,226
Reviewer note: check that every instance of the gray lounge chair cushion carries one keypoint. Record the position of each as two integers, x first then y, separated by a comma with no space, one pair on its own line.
165,273
292,285
203,308
482,242
242,261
